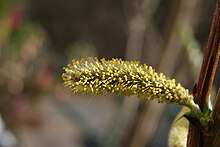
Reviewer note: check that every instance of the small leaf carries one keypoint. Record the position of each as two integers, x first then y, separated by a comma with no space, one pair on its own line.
207,110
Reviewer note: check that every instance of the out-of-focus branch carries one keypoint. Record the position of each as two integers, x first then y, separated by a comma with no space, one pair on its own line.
144,127
137,28
138,24
192,50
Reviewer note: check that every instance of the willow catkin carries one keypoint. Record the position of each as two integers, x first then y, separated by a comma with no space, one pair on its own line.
179,130
124,78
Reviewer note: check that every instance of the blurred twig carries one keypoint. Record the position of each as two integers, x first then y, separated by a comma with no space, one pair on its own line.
144,127
137,28
137,31
193,52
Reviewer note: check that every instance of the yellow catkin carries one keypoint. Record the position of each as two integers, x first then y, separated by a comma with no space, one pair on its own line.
124,78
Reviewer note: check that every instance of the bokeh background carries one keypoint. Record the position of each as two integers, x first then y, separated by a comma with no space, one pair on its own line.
39,37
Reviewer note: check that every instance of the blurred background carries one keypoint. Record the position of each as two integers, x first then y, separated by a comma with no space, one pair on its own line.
39,37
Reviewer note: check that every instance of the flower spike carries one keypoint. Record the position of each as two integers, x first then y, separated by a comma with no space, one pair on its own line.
124,78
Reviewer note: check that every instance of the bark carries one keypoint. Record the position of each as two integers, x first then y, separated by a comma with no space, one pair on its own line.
212,138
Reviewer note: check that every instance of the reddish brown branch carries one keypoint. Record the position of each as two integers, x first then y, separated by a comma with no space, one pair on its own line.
209,62
196,136
211,72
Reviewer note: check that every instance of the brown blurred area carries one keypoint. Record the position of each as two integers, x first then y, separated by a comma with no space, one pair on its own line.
39,37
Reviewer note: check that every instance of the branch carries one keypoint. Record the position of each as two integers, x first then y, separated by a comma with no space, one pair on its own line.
210,61
207,73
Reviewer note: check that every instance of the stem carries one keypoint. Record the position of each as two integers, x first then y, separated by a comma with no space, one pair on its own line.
196,112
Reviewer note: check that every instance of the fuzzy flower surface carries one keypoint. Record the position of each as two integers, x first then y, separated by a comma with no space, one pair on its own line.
124,78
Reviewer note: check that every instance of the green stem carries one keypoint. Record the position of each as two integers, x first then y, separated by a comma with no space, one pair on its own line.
196,112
